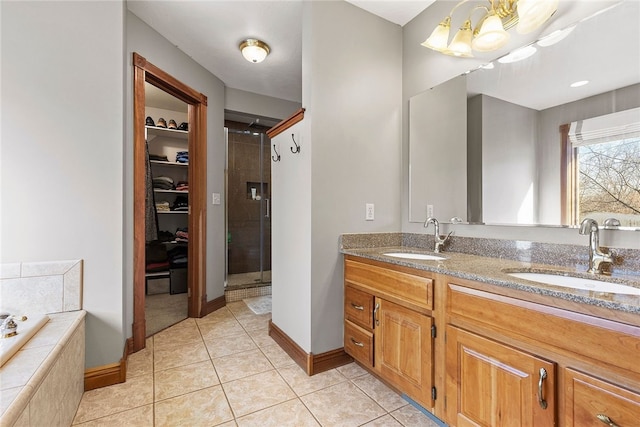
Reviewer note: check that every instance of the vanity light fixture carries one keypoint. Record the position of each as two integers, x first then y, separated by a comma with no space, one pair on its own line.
254,50
490,32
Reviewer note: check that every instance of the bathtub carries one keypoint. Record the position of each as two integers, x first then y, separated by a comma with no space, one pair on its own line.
42,381
26,329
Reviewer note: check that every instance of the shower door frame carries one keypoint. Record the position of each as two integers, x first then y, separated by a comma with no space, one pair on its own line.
265,204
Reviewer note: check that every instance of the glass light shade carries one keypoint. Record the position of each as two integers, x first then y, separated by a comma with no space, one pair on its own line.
439,37
533,13
461,43
254,50
492,35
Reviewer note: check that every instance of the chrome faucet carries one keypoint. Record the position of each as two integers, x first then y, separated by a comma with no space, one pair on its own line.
9,327
439,241
596,258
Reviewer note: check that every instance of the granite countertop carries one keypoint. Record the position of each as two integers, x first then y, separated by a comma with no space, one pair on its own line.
494,271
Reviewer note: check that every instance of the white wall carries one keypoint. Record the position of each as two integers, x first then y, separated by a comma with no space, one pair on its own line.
438,128
509,179
160,52
62,148
291,236
352,81
259,105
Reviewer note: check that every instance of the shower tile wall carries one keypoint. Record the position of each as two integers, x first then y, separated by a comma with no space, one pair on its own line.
244,212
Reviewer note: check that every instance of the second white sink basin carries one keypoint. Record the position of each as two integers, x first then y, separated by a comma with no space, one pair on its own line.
409,255
577,283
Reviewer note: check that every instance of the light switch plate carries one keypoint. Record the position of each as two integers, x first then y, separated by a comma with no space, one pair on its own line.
216,198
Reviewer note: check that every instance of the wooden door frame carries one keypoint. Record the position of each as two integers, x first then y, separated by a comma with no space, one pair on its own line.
144,71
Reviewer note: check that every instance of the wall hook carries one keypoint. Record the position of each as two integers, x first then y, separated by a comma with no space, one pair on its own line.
297,149
275,158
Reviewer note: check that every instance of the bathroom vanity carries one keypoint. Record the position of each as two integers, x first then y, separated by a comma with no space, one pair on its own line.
477,346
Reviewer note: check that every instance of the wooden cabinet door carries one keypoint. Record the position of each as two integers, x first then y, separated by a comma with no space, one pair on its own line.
491,384
592,402
403,349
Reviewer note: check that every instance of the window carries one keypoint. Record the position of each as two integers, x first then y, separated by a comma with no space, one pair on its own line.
602,169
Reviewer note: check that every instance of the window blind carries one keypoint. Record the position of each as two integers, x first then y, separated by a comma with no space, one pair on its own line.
610,127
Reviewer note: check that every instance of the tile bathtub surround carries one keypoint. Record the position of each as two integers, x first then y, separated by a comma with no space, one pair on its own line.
41,287
227,371
574,256
43,382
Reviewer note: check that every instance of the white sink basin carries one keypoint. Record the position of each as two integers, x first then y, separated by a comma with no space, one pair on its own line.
577,283
409,255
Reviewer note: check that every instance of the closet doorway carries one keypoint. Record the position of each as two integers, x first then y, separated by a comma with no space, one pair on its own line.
248,202
167,231
146,73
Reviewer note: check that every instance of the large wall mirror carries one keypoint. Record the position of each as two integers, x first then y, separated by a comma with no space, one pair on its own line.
513,116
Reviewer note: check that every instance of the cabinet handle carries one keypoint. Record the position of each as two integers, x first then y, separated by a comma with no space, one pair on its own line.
375,314
357,307
543,376
606,420
359,344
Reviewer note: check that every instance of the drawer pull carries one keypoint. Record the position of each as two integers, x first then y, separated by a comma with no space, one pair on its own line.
543,376
359,344
606,420
357,307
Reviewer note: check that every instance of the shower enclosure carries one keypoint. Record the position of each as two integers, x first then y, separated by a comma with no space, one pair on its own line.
248,192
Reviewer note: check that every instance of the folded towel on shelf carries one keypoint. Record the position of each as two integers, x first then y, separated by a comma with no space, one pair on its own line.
158,157
182,157
182,186
163,183
163,206
180,204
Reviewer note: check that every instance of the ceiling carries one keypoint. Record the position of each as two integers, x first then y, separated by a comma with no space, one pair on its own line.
210,32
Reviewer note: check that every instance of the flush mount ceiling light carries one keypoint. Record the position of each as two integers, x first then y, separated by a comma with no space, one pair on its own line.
490,31
254,50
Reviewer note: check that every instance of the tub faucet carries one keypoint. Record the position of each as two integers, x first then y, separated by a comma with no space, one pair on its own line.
9,327
439,241
596,258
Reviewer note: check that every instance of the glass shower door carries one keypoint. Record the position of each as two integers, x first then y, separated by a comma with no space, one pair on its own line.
248,209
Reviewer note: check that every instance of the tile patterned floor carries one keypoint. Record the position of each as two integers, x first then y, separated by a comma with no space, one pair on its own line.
224,370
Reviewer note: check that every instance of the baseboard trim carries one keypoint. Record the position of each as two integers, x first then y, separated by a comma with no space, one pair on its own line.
213,305
311,363
329,360
106,375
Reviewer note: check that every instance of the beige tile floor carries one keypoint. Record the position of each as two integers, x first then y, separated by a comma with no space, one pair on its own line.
225,370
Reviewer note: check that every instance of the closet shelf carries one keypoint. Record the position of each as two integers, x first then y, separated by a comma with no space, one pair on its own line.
157,190
171,133
163,163
172,212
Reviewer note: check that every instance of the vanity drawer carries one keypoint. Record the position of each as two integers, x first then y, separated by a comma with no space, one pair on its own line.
394,281
358,307
589,400
358,343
